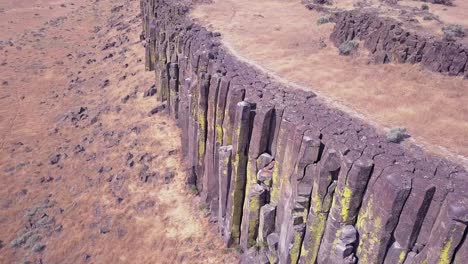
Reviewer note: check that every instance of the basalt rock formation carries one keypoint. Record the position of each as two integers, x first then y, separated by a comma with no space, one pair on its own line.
288,178
388,41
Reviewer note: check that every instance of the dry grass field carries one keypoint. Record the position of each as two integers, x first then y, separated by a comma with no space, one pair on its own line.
86,175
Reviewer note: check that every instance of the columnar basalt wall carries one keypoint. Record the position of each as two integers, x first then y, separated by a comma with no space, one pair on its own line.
388,41
289,179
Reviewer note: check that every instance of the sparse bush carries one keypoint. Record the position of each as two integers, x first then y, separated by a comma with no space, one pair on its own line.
324,20
204,208
22,239
424,7
396,135
348,47
194,189
451,32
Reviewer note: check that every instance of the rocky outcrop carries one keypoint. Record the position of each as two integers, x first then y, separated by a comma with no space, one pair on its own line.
388,41
288,178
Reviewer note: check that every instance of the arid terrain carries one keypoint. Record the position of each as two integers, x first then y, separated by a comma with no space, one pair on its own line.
87,173
283,38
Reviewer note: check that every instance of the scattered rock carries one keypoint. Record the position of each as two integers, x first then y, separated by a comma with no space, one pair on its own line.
55,159
86,257
168,177
105,83
150,92
172,152
157,110
146,175
144,205
78,149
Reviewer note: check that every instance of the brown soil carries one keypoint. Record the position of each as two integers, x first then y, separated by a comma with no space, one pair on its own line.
282,37
85,172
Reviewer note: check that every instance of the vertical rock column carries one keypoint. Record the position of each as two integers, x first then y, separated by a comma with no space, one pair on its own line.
240,144
251,209
235,95
173,103
210,178
202,109
162,67
192,134
224,180
288,213
350,189
256,197
379,215
411,219
222,160
323,190
150,46
301,186
283,129
448,233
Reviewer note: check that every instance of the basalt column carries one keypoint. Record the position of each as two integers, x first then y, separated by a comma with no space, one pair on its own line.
240,143
289,178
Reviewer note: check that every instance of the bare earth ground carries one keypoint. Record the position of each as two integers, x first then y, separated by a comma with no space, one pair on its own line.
86,175
282,37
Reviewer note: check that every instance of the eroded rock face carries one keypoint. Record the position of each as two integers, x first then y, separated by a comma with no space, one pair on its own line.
387,41
290,179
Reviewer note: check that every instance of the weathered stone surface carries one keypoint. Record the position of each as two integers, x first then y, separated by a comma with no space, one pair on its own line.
447,234
264,160
163,84
210,177
443,188
266,224
411,219
261,131
224,173
235,95
351,185
202,108
255,199
290,233
275,127
379,215
462,253
286,129
220,110
240,141
173,102
323,190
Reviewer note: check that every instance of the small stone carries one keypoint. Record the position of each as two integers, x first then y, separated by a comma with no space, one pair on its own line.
168,177
55,159
150,92
157,110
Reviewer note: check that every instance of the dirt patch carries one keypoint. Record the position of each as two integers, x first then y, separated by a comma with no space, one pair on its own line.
87,175
284,38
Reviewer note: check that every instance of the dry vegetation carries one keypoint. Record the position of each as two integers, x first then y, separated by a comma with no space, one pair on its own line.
86,174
